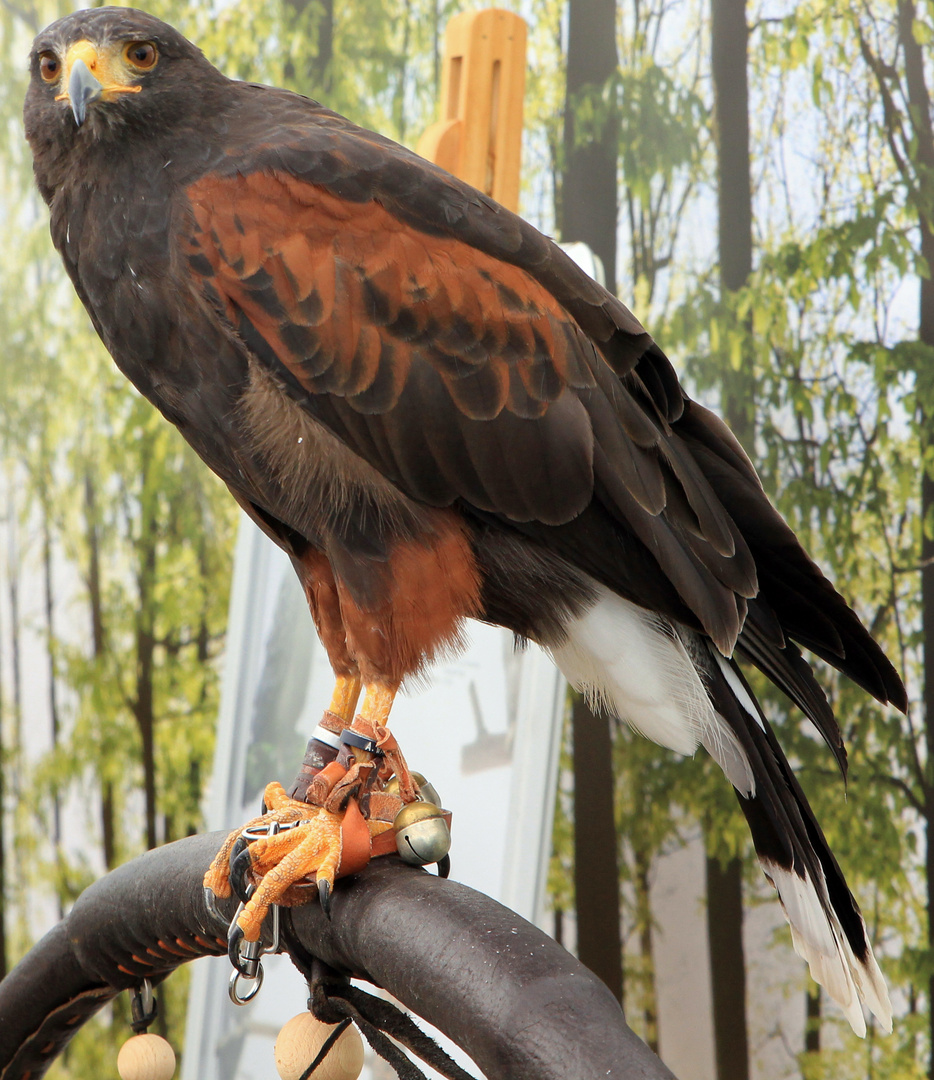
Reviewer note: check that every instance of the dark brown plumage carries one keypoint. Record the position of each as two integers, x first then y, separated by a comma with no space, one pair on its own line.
439,416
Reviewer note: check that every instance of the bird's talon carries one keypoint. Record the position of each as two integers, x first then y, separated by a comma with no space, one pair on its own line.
244,955
444,866
324,894
210,903
239,845
234,941
240,865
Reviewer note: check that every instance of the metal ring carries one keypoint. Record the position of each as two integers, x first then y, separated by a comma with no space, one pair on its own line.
232,986
261,832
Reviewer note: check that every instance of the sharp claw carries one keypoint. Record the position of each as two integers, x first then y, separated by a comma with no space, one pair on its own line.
240,864
240,844
234,941
444,866
324,893
210,902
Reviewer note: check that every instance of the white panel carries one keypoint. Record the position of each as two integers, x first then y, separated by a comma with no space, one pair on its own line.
536,751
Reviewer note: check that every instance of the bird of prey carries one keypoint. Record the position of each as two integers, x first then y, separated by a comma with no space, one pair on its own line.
439,417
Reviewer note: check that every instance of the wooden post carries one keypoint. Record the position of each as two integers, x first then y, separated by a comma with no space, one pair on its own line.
479,135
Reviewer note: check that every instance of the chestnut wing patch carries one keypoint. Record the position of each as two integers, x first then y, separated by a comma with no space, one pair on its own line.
457,375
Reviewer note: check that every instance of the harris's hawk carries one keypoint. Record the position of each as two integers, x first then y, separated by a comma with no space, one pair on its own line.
439,417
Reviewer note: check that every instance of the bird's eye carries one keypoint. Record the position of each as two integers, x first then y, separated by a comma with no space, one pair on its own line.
49,66
141,54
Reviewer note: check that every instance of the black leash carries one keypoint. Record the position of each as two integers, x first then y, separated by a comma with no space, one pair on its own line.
333,1000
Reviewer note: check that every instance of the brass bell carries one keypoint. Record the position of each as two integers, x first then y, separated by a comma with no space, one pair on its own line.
426,791
422,834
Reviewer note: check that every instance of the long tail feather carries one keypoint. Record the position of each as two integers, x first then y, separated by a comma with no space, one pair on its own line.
827,929
674,686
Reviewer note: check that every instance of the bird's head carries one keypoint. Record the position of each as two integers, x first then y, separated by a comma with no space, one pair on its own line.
106,76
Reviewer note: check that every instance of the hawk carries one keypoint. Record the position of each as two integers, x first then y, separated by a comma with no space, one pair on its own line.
439,417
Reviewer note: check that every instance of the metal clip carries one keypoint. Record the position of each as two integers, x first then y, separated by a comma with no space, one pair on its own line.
143,1007
246,956
246,959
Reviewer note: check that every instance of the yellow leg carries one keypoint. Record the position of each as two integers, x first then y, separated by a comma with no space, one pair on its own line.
377,703
344,698
372,720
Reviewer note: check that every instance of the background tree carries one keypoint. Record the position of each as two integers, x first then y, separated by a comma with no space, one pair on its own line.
729,38
591,132
588,213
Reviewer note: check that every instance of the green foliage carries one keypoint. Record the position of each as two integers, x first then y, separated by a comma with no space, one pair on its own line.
140,545
660,121
561,864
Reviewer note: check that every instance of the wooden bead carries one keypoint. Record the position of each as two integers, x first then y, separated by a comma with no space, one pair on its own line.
301,1039
146,1057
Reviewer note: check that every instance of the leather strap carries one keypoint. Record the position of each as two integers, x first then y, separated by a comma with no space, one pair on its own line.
355,841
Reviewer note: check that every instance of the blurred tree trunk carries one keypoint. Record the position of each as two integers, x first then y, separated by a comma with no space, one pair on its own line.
321,65
316,79
588,189
812,1019
589,215
398,102
596,870
727,967
729,37
729,41
11,746
642,860
13,572
46,509
96,601
143,705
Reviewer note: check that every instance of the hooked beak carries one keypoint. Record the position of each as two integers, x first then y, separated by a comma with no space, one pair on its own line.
83,88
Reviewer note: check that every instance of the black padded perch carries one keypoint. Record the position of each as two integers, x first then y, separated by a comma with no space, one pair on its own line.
515,1000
